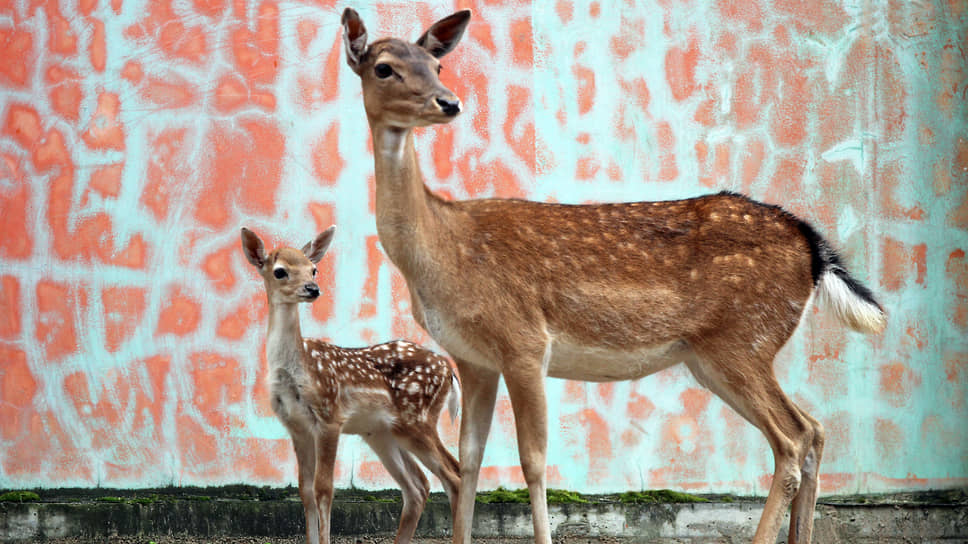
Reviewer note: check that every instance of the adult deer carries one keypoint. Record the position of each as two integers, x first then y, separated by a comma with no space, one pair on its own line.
594,292
391,394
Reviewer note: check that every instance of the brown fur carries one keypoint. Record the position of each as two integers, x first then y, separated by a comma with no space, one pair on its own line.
391,394
593,292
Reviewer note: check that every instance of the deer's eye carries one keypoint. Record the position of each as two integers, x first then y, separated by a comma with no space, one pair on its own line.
314,272
383,70
439,68
280,273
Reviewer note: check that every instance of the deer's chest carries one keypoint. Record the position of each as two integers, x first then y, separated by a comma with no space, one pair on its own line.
445,326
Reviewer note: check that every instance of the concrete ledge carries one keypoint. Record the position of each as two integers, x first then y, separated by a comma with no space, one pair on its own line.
278,513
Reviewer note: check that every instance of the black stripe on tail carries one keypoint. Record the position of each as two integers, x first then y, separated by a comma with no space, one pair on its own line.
824,259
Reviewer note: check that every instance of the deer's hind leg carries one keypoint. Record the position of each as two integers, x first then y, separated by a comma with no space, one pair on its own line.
750,387
424,443
805,503
413,484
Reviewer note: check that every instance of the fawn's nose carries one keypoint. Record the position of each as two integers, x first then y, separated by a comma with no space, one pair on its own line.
448,106
312,290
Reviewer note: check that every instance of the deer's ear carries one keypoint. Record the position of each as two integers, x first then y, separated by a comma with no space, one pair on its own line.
317,248
354,38
442,37
252,246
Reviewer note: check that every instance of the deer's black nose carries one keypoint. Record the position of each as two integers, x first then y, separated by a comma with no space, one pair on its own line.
449,107
312,290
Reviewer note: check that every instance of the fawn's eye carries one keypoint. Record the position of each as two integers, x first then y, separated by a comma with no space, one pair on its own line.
439,68
383,70
280,273
314,272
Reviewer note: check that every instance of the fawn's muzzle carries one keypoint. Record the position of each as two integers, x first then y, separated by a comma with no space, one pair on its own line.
449,107
312,290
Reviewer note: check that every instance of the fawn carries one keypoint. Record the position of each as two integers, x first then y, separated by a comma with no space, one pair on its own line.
598,292
390,394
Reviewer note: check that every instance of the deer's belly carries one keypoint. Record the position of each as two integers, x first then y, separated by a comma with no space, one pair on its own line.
573,361
366,411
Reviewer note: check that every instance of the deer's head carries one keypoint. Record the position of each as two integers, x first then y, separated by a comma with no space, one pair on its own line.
289,274
401,83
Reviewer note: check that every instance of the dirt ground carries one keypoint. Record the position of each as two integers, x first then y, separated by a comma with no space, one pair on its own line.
301,540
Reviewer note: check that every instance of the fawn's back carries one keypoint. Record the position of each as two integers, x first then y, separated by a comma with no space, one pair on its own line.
378,388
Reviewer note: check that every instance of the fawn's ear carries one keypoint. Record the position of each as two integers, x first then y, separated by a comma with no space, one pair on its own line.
317,248
354,38
442,37
255,252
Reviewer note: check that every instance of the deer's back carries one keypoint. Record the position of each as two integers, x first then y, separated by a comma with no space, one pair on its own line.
645,273
374,388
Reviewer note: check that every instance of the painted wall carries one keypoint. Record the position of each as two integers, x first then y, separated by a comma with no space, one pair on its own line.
136,137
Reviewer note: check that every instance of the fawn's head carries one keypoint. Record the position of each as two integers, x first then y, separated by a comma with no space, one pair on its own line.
401,83
289,274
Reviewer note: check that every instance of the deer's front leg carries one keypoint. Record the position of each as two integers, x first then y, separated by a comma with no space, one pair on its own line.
479,393
305,446
326,443
524,377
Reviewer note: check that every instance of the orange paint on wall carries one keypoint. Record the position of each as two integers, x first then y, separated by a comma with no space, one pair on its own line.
522,41
520,138
107,180
17,389
328,163
168,170
65,91
747,12
98,47
218,267
901,262
124,309
62,39
104,130
598,444
585,80
668,170
789,122
216,389
23,124
17,241
180,314
374,260
680,68
897,380
639,407
55,328
10,308
234,325
15,49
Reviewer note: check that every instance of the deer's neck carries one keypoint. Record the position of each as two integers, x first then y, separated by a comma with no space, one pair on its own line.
406,212
284,343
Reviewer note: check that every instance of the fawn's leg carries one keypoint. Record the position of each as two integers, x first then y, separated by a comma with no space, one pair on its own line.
326,443
424,443
305,446
413,484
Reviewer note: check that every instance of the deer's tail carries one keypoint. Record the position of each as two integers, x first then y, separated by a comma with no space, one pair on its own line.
849,299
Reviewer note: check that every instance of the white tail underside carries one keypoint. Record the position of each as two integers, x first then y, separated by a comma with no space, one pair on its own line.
857,313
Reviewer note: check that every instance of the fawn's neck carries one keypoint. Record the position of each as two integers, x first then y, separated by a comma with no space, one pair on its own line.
406,211
284,343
